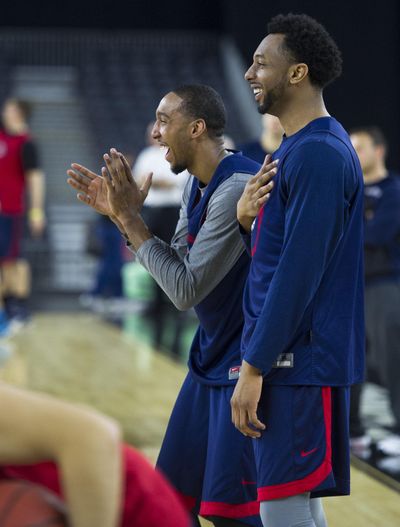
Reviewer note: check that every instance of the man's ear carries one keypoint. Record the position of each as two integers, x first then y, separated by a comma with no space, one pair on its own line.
197,128
381,152
297,73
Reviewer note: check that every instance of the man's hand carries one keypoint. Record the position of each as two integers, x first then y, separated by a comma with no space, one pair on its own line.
256,193
245,400
125,199
91,188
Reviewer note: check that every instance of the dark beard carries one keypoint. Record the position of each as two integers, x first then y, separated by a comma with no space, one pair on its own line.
273,96
266,105
177,169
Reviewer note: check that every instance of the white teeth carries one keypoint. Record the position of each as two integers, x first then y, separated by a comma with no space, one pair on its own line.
256,91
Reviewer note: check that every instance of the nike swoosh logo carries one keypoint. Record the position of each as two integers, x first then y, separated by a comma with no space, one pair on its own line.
304,454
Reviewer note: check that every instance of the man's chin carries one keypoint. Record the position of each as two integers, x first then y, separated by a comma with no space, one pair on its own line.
263,108
177,169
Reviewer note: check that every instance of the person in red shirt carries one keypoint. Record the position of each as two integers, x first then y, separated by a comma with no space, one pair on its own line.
76,453
19,171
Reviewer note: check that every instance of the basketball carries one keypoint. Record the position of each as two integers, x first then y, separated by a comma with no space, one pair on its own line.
24,504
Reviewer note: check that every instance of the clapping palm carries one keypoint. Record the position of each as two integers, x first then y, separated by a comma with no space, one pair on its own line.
91,187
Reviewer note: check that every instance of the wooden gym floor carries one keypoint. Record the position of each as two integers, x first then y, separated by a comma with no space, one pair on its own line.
81,358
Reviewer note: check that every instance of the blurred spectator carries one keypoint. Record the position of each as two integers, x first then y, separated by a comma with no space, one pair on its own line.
160,213
110,250
104,242
382,281
269,141
19,168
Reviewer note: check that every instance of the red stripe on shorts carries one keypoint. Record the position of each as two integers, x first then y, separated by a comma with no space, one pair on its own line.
229,510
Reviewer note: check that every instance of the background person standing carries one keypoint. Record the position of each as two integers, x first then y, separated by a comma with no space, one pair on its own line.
19,171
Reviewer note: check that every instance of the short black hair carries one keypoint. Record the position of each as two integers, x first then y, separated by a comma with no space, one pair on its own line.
374,132
200,101
306,40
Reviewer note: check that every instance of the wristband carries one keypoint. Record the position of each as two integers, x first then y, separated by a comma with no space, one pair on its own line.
36,214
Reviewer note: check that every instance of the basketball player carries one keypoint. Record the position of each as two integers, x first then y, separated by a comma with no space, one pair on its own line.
206,267
19,170
76,453
303,338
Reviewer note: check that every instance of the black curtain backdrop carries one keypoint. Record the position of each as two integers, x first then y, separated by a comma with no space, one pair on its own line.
366,31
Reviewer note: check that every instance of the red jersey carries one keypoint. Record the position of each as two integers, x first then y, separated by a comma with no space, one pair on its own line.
12,178
149,500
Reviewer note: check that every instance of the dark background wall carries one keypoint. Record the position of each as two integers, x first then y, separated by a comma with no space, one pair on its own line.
366,31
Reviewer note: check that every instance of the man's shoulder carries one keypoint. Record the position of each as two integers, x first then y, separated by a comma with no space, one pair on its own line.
234,184
242,163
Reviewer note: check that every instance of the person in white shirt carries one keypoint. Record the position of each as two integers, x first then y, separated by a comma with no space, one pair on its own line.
161,214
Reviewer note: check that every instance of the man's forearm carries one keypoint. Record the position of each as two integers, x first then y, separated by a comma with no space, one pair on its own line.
115,220
135,230
36,189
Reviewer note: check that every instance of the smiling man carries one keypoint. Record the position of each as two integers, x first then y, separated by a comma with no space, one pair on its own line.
208,461
303,338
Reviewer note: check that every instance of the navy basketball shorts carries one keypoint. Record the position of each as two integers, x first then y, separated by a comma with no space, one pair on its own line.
10,236
305,447
208,461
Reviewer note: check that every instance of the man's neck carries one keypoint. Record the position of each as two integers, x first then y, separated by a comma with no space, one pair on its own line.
376,175
206,161
270,142
299,112
17,129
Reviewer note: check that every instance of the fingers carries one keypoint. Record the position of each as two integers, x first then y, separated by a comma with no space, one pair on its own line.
78,178
118,167
112,172
267,176
81,184
267,171
107,177
264,189
255,422
77,184
83,171
267,161
247,422
84,198
261,201
128,170
146,185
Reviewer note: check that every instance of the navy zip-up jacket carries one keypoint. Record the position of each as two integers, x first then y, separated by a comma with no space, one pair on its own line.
303,301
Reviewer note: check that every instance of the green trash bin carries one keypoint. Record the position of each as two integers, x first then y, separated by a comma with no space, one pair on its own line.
137,283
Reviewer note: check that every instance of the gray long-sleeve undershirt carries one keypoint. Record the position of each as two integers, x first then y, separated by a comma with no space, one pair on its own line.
188,277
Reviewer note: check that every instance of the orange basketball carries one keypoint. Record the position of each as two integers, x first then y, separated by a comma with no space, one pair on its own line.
23,504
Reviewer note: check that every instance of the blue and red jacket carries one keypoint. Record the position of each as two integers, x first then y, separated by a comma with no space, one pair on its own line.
303,301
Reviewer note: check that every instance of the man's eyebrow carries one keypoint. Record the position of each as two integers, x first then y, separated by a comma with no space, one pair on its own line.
162,114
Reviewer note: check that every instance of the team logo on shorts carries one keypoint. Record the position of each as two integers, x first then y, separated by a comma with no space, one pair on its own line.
234,373
284,360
